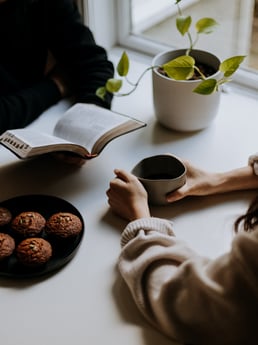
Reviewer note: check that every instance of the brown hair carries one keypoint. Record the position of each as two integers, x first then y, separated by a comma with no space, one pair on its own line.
249,220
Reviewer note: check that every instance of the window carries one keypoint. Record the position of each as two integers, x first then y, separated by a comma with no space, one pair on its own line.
101,17
148,26
233,36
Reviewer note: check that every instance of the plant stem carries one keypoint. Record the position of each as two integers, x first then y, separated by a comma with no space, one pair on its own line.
137,83
129,82
199,71
191,43
179,9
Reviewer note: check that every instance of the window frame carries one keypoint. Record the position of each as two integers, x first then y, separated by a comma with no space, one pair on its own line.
100,16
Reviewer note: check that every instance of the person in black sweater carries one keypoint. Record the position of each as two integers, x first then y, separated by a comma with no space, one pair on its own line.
47,53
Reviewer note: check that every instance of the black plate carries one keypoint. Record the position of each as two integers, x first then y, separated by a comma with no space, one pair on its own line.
63,251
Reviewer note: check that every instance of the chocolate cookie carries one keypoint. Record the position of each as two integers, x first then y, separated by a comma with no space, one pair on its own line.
33,251
5,216
63,225
7,245
28,223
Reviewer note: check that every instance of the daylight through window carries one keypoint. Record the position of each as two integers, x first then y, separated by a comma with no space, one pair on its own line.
237,33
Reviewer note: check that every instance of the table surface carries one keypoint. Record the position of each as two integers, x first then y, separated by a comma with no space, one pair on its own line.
86,302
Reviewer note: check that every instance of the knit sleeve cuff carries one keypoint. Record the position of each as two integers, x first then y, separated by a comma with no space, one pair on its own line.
146,224
253,161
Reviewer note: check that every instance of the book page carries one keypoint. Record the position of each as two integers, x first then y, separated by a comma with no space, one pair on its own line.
84,124
35,138
27,142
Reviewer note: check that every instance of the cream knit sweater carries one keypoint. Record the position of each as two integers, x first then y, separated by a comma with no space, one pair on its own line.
190,298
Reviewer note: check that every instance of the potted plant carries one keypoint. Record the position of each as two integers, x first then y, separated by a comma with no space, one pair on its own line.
186,82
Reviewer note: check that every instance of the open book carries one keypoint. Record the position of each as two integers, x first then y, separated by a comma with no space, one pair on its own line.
85,129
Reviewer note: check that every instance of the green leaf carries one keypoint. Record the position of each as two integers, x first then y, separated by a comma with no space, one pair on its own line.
101,92
123,65
206,87
113,85
177,2
183,24
205,25
181,68
229,66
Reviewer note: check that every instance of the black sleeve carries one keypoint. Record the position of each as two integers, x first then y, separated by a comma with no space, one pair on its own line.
72,43
20,108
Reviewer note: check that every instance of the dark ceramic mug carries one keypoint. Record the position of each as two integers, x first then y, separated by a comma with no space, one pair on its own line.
160,175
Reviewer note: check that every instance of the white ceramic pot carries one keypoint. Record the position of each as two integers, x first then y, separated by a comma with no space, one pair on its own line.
176,105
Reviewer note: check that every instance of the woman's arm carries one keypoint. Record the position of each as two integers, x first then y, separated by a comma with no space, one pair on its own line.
188,297
200,182
128,198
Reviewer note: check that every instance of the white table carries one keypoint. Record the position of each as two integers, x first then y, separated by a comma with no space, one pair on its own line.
86,302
